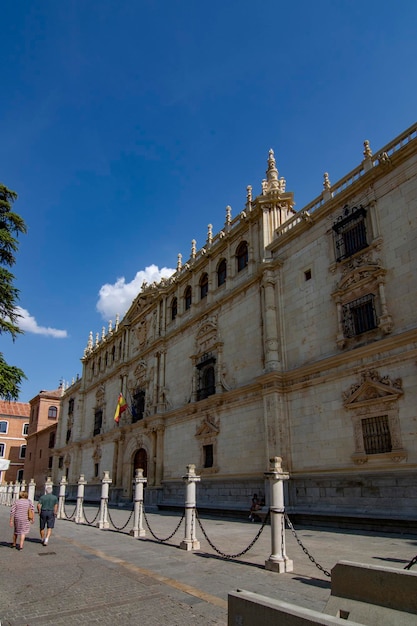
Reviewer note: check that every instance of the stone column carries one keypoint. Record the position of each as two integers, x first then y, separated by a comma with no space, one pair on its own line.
139,481
159,454
271,336
49,483
23,485
190,542
278,560
105,483
79,513
31,490
61,498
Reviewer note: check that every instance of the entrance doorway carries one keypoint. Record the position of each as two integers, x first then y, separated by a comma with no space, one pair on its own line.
141,462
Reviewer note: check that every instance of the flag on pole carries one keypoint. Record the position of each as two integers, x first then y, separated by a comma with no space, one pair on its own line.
121,407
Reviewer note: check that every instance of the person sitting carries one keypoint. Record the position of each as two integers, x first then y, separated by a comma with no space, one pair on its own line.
255,506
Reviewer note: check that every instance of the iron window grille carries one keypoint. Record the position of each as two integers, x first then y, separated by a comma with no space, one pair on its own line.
350,231
203,286
187,298
208,455
138,406
242,256
221,273
207,378
376,435
359,316
98,422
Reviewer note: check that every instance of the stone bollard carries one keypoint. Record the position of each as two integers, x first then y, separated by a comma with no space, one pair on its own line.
49,483
103,520
79,513
61,498
278,561
190,542
16,490
10,490
23,485
139,481
31,489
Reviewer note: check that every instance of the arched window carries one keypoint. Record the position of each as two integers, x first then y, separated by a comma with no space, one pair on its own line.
221,272
203,286
174,308
52,412
187,298
242,256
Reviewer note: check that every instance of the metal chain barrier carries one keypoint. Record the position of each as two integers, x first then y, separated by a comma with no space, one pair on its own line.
70,517
119,528
304,549
238,554
85,517
411,563
158,538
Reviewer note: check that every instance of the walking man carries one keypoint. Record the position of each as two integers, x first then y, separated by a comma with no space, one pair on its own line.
47,509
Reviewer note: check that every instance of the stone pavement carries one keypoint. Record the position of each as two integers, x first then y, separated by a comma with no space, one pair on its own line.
90,576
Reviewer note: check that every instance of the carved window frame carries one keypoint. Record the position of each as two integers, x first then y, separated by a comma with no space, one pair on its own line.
206,434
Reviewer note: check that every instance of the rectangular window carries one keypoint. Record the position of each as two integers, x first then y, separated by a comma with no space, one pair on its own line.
51,440
22,453
376,435
2,449
25,429
350,231
60,462
208,455
359,316
50,462
68,437
3,427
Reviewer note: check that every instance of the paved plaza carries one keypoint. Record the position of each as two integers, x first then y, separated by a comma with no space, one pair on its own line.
90,576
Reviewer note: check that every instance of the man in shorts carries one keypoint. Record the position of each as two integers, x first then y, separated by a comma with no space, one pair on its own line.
47,509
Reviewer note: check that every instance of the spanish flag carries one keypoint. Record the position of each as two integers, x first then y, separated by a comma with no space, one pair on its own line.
121,407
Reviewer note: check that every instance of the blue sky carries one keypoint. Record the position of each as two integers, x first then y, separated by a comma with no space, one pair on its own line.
128,126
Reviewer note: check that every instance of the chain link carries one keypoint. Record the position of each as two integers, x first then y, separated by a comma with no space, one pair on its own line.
238,554
159,538
119,528
85,517
411,563
70,517
304,549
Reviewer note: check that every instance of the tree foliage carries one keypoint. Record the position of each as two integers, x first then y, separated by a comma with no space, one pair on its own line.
11,224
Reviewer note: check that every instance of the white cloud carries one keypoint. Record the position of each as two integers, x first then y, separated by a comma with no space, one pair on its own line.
118,297
28,324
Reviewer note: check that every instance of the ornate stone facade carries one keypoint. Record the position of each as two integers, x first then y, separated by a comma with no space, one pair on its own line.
290,334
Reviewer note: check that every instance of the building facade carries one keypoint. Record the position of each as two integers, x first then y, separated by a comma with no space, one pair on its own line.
14,423
44,416
290,334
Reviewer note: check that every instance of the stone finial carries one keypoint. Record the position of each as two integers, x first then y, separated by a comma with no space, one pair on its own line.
367,152
326,182
249,194
97,340
179,261
264,184
272,173
90,341
210,233
110,327
103,333
228,214
116,326
282,184
193,248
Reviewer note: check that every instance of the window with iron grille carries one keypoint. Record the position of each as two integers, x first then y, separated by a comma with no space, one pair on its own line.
138,405
98,422
376,435
350,232
359,316
203,286
206,378
187,298
242,256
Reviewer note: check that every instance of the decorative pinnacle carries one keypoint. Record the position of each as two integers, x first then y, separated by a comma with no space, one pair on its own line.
179,262
367,152
228,214
90,341
272,172
210,233
193,248
326,182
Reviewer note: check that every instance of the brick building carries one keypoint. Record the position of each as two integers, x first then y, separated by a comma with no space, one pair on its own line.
44,415
14,423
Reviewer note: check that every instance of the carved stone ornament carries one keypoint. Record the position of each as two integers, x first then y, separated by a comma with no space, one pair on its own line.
100,395
97,454
140,373
207,335
372,387
208,428
141,333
